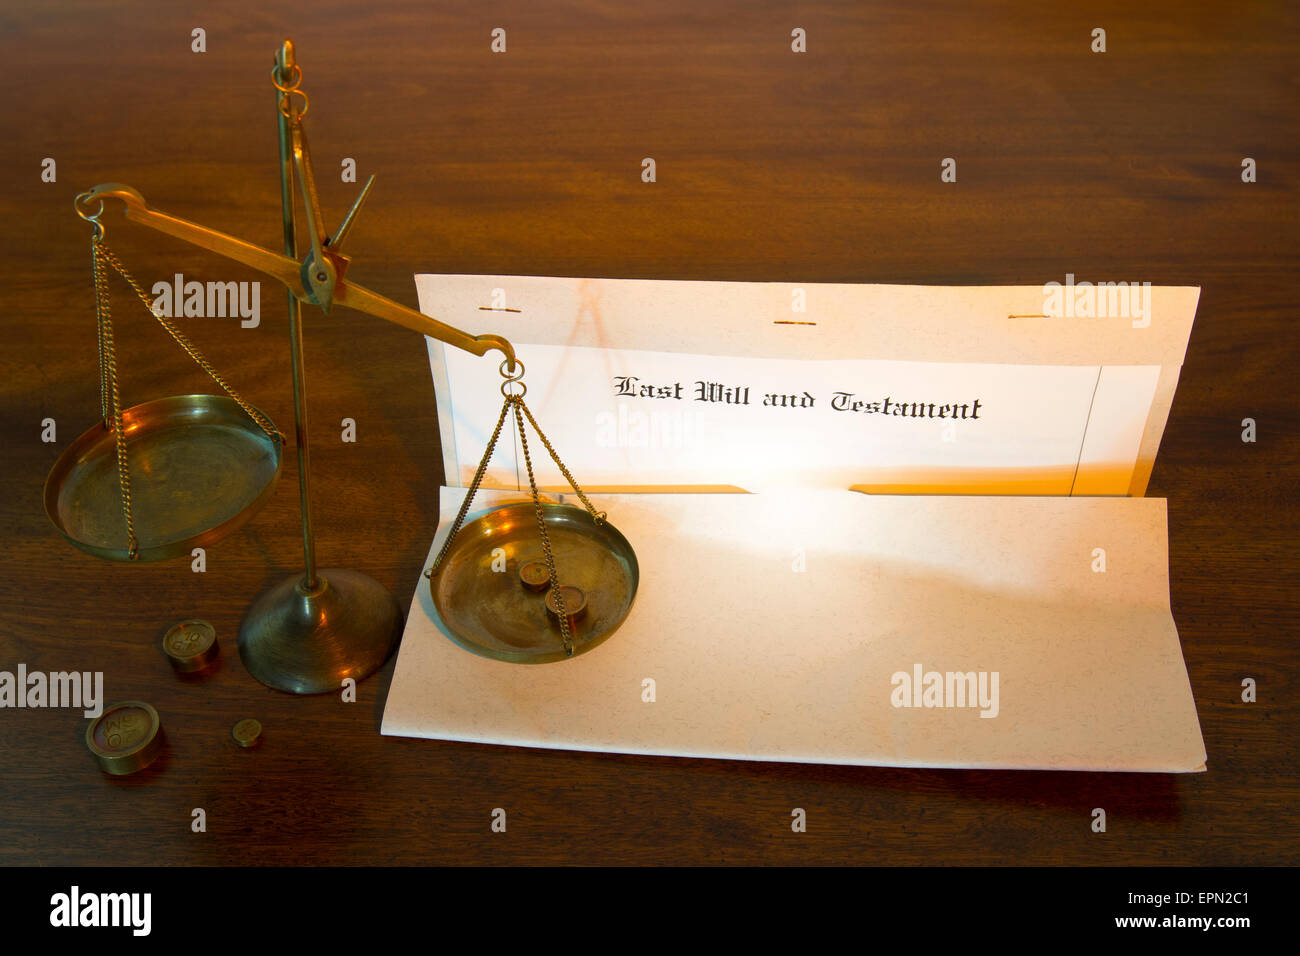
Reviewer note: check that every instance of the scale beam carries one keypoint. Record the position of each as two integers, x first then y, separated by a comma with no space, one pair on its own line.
290,273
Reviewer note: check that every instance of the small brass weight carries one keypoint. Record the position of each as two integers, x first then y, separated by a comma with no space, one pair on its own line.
315,629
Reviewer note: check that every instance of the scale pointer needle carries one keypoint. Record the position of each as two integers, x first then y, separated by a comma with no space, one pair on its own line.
336,241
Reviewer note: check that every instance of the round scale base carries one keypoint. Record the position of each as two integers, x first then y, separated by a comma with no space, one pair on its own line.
308,642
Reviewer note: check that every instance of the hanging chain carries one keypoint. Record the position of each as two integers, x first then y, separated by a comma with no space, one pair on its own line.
560,609
108,390
262,421
473,489
597,516
105,400
516,401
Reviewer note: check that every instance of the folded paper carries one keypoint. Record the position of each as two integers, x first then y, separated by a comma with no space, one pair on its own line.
837,627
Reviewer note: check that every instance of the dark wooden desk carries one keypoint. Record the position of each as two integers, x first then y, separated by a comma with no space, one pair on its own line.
771,165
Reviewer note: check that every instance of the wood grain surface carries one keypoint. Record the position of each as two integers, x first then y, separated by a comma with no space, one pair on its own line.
771,165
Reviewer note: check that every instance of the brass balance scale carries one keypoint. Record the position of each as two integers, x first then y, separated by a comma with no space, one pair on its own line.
155,480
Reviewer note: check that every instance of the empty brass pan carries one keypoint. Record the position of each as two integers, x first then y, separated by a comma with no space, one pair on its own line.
199,468
486,608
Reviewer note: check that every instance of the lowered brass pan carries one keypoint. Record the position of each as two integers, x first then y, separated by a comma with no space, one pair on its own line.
485,608
199,468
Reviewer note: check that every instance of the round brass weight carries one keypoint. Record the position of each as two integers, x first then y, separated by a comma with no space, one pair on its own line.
125,738
200,468
488,612
191,646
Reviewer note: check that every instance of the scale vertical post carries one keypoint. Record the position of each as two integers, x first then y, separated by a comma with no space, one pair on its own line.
285,65
311,632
